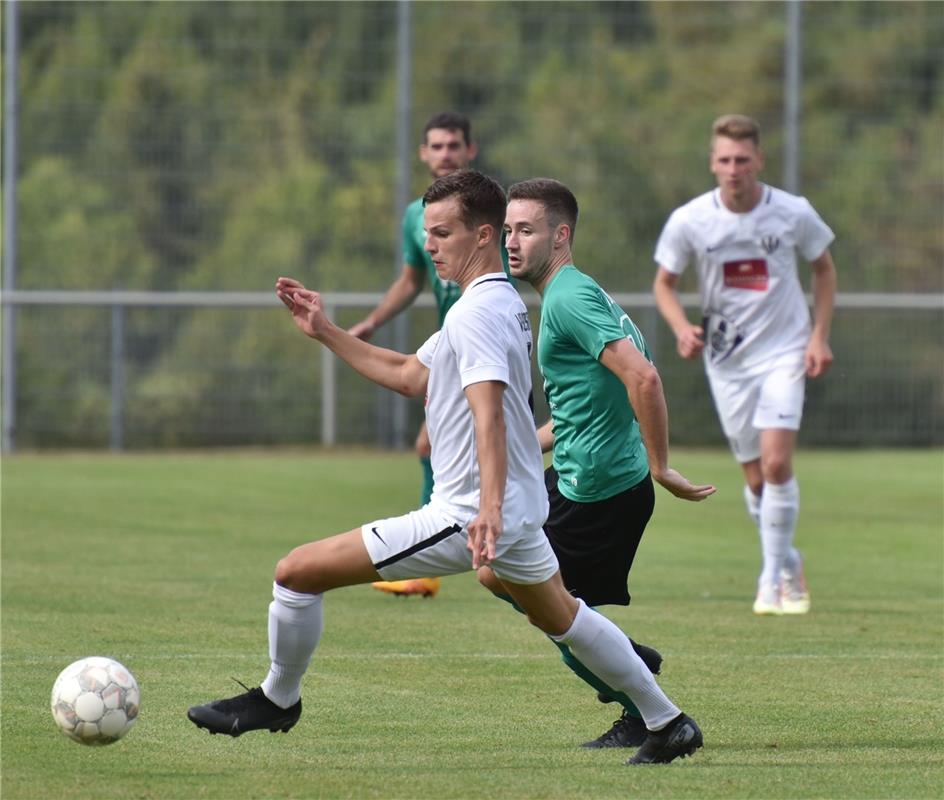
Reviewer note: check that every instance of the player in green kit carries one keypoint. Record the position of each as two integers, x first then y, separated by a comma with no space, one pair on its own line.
608,428
447,147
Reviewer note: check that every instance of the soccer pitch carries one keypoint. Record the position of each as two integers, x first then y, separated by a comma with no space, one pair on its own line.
165,563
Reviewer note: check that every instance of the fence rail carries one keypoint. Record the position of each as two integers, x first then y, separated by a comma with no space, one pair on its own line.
47,297
888,345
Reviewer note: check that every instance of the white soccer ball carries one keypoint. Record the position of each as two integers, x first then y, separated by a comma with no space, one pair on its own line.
95,700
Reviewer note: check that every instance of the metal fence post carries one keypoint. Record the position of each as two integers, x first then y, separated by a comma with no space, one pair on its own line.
10,122
793,56
397,435
117,416
329,389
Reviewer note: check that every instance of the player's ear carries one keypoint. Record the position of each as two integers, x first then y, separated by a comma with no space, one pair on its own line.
561,235
473,151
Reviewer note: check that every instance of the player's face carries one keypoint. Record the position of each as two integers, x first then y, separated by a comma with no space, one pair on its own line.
446,151
529,240
450,244
735,165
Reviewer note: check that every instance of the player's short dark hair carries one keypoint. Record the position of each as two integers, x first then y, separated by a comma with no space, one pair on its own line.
737,127
481,198
449,121
558,201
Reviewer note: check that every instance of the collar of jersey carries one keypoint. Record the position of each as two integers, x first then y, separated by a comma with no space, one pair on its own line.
490,276
764,200
558,274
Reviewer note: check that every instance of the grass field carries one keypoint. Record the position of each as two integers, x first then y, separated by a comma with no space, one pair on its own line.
165,562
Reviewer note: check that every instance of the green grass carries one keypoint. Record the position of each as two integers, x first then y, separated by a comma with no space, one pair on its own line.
165,562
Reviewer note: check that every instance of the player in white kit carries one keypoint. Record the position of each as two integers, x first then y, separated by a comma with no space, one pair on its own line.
489,501
756,336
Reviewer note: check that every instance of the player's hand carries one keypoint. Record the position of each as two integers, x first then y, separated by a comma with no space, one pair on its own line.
818,359
287,285
362,330
484,531
691,341
677,484
305,305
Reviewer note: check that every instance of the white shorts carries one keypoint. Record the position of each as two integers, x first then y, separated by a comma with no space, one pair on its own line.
750,404
426,543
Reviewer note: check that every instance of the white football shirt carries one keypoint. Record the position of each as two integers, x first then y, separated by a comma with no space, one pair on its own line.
486,336
751,297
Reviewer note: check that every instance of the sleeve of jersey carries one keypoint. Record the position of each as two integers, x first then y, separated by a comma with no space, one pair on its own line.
814,234
587,320
425,353
412,254
479,342
673,250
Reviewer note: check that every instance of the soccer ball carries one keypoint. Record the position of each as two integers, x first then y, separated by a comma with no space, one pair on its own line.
95,700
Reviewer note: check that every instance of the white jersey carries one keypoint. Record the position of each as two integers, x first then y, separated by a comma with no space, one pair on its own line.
486,336
752,300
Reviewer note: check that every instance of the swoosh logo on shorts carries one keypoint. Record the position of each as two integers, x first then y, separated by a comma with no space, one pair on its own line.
373,530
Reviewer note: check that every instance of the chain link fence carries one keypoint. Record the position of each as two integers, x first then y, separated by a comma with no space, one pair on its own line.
119,383
214,146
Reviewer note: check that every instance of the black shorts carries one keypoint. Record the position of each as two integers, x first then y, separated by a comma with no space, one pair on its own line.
596,542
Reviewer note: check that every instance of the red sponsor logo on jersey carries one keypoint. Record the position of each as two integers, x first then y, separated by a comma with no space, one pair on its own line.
746,273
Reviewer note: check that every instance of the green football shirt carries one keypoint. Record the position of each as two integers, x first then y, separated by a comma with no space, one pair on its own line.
414,237
598,450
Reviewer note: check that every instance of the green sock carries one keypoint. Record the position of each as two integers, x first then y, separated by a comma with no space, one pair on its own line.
427,491
577,667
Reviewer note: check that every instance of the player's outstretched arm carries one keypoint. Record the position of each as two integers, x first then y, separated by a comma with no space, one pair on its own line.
677,484
397,371
402,292
689,338
644,387
485,401
819,355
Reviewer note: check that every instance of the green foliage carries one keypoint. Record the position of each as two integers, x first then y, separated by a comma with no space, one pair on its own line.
72,231
216,146
179,114
166,563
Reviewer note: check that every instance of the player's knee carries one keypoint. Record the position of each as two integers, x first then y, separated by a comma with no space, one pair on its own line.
488,579
288,572
778,467
548,625
554,619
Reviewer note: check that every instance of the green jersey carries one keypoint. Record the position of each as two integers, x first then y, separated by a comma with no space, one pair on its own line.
598,451
414,237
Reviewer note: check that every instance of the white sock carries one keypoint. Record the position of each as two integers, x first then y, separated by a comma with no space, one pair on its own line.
605,650
295,623
793,561
752,501
779,508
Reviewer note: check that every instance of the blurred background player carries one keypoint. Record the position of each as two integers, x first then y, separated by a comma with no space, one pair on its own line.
608,429
755,337
447,146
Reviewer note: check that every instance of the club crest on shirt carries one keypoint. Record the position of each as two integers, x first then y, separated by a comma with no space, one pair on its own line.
770,244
